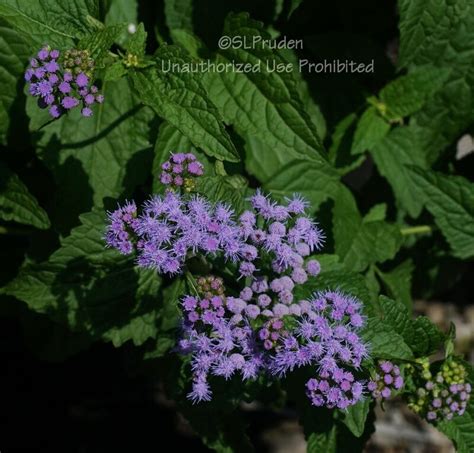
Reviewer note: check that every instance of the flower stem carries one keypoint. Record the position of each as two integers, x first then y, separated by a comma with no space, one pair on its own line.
419,229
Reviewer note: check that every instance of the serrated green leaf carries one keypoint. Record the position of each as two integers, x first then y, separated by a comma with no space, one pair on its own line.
92,289
54,22
137,42
451,201
440,33
115,72
180,98
14,51
356,416
377,212
319,442
220,189
263,104
99,42
397,316
384,342
348,282
17,204
407,94
179,14
106,156
398,282
399,148
371,129
121,11
341,143
316,181
427,338
360,243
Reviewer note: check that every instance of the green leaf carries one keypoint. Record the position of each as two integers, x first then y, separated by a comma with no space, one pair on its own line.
14,51
220,189
371,129
407,94
115,72
121,11
55,22
429,31
377,212
451,201
399,148
99,42
318,442
264,104
420,334
356,416
180,98
398,282
349,282
427,338
106,156
316,181
92,289
384,342
137,43
360,243
397,316
179,14
16,202
341,145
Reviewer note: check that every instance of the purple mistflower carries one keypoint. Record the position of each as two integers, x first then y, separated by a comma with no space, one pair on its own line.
86,111
386,379
54,86
82,80
221,348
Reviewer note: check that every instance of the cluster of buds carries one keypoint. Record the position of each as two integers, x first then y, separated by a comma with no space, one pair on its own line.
386,379
180,170
271,332
78,61
444,395
62,83
210,286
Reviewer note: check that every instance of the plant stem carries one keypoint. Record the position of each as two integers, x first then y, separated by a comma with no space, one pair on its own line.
416,230
191,282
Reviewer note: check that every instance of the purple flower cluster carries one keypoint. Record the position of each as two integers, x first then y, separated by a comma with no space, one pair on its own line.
172,227
180,170
58,88
265,328
324,335
283,234
444,395
218,346
123,223
449,402
334,390
387,378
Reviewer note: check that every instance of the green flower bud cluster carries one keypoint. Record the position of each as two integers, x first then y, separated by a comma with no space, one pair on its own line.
77,61
453,372
443,395
210,286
